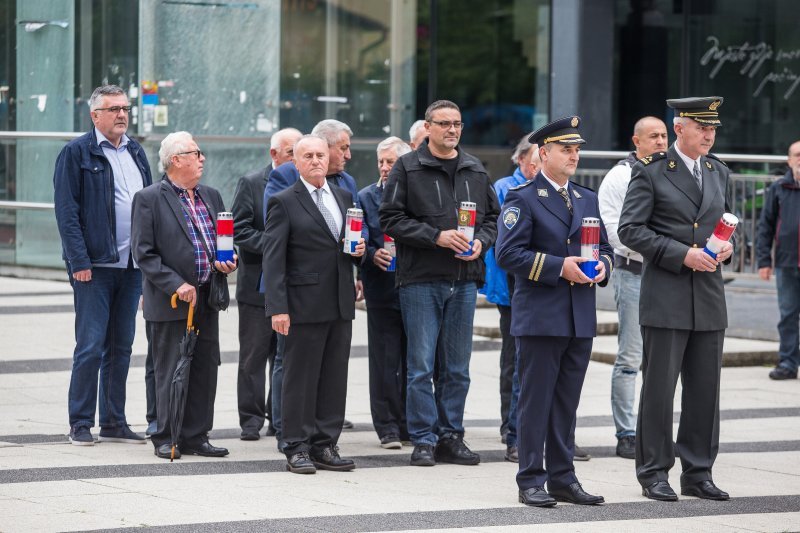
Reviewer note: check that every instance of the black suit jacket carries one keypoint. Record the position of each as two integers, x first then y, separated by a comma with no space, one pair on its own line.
310,277
248,234
162,246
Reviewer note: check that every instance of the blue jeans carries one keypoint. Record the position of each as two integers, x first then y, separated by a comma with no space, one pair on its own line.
438,313
788,284
277,387
629,353
105,324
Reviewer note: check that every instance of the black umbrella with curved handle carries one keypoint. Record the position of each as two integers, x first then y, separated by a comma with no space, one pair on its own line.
179,386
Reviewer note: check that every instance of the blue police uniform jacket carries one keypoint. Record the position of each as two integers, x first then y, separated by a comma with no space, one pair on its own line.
536,233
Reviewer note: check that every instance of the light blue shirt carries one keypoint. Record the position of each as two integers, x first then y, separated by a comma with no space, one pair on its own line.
127,182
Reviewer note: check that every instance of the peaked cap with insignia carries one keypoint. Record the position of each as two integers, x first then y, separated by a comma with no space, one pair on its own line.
701,109
561,131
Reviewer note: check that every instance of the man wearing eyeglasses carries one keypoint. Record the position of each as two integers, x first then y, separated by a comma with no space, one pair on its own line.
96,176
438,272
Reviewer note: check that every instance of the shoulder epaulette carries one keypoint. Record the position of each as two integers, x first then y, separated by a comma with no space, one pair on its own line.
715,158
654,157
521,185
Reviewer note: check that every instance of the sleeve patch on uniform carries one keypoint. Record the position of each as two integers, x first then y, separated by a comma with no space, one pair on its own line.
510,217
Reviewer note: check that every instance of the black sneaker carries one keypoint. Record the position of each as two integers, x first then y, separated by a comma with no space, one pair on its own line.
781,372
422,455
626,447
120,434
391,442
580,455
81,436
451,449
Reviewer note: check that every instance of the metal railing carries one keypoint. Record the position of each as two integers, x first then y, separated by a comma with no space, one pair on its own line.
748,189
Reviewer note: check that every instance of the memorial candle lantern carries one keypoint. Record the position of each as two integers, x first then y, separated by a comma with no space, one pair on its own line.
466,223
352,229
590,246
224,237
722,234
389,246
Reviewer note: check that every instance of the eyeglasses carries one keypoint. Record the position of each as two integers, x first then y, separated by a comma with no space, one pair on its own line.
447,124
198,153
116,109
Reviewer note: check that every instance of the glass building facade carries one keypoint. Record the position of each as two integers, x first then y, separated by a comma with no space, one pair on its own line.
231,72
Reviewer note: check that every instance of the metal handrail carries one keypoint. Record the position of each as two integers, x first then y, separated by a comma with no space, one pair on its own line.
358,141
34,206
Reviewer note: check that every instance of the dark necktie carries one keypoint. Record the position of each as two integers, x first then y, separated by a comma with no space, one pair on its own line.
329,220
698,175
563,192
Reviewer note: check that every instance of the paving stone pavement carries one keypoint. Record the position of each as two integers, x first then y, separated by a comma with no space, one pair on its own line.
46,484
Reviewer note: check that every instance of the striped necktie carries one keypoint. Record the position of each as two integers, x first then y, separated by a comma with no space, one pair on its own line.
329,220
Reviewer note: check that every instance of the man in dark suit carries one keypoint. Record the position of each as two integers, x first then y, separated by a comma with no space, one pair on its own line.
539,243
337,134
174,232
387,338
674,201
256,339
310,296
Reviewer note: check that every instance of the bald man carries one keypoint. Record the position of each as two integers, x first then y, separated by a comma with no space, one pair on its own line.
649,137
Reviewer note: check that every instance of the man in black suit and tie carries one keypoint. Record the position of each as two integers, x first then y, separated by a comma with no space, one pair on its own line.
174,242
256,340
310,295
674,201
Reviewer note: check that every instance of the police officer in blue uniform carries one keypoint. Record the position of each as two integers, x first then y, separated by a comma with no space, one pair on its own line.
553,312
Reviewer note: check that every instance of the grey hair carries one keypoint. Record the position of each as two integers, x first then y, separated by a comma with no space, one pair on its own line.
523,147
399,145
104,90
330,129
173,144
679,120
415,127
278,137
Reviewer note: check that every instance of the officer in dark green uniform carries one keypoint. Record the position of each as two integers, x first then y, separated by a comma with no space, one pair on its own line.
674,201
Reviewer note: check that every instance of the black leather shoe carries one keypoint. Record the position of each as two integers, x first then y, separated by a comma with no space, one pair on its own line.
661,491
706,490
422,455
580,455
574,493
346,424
300,463
536,497
165,452
250,434
206,450
451,449
327,458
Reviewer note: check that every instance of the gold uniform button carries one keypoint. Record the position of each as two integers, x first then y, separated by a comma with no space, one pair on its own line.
571,283
694,246
568,241
696,225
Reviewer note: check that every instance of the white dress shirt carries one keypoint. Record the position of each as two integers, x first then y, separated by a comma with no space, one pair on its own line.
611,196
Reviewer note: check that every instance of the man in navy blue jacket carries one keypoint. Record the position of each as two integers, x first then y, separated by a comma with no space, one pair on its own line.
387,339
780,224
95,178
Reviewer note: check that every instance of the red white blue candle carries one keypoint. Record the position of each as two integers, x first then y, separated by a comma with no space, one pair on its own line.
722,234
590,246
224,237
352,229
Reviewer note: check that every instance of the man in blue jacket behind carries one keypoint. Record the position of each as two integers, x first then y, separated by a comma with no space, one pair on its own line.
780,224
95,178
